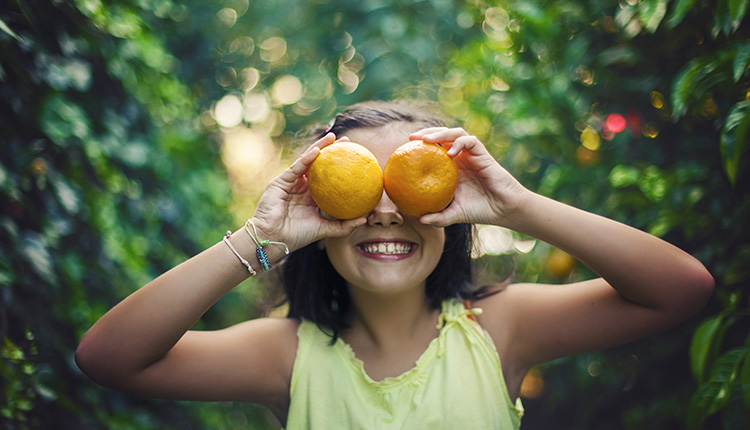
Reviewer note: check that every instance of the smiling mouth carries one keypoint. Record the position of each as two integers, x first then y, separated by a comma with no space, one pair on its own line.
387,248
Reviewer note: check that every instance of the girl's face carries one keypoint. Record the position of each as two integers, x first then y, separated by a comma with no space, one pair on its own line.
393,252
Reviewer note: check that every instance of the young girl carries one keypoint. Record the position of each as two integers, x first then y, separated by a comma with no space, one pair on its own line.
380,333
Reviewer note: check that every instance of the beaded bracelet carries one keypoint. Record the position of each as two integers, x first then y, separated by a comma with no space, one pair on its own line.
259,251
242,260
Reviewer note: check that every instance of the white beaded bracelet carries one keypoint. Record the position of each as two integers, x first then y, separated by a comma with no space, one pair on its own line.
242,260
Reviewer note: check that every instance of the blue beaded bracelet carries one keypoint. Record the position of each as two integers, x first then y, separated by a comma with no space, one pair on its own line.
259,251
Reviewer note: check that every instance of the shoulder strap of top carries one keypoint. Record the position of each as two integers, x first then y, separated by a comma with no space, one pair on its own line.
470,315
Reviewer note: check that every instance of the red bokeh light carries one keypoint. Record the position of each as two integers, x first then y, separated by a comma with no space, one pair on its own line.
616,123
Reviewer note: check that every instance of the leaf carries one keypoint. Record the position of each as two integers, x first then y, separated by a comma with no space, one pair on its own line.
722,19
680,10
37,255
62,119
734,137
701,347
697,77
712,395
623,54
740,61
745,382
737,11
685,82
651,12
4,27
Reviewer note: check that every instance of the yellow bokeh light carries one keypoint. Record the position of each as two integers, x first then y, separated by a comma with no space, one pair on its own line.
227,16
499,84
532,385
586,157
252,160
348,79
657,99
287,90
479,125
450,96
590,139
584,75
273,49
256,107
650,130
251,77
228,111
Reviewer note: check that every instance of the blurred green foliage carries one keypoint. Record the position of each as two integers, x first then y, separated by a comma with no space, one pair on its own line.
115,116
637,110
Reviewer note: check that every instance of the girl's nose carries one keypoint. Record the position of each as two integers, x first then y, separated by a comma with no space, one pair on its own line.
385,213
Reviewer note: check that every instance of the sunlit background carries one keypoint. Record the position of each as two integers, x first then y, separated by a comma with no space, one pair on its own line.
135,132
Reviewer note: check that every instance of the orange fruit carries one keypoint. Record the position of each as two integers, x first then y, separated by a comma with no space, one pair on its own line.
345,180
559,263
420,178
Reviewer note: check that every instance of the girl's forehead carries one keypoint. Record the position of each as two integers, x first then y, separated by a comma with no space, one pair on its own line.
381,141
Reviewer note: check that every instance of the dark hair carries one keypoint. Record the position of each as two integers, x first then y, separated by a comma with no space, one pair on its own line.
380,113
313,288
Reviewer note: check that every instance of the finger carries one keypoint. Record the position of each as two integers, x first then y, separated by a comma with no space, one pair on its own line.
417,135
300,165
445,135
468,143
438,219
324,141
341,228
448,216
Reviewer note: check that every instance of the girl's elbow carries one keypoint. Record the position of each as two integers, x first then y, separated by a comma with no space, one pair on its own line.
94,365
87,362
698,289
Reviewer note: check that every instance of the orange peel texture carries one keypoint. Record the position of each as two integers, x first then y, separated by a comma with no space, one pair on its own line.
345,180
420,178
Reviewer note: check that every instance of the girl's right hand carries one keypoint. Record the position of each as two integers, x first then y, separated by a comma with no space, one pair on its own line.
287,213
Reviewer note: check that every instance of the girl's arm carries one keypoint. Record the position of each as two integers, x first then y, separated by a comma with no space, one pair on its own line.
646,284
143,345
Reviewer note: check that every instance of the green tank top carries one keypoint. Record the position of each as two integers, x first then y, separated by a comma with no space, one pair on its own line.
456,383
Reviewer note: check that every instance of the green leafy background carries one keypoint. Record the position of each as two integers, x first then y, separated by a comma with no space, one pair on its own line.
133,133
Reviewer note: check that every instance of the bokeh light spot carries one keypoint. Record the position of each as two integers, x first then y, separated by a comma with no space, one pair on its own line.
650,130
595,368
532,385
251,77
287,90
657,99
273,49
590,139
227,16
499,84
228,111
616,123
586,157
256,107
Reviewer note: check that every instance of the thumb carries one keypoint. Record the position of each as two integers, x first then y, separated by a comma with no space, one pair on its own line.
341,228
437,219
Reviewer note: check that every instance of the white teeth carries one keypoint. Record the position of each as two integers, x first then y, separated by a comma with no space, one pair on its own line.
390,248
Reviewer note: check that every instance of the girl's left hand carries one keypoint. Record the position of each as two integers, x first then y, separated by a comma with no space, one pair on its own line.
486,192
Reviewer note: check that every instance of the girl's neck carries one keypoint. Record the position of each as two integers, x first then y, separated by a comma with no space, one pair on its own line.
385,322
